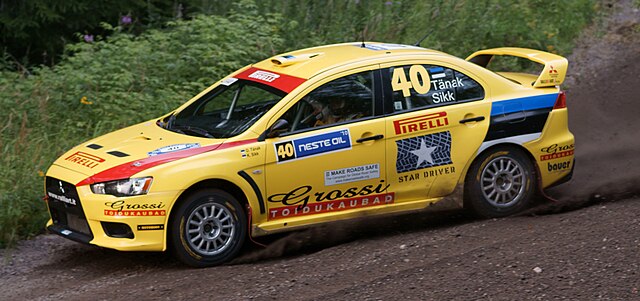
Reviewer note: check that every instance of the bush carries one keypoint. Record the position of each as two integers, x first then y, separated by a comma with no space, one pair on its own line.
109,84
456,27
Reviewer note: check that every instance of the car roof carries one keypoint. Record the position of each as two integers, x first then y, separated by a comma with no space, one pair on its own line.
306,63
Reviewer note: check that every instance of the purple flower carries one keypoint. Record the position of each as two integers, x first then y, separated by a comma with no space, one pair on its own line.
88,38
125,20
388,3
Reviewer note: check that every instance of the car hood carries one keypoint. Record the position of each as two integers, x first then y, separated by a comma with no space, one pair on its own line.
124,152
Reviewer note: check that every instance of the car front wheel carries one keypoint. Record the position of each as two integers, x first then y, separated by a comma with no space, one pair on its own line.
500,183
208,229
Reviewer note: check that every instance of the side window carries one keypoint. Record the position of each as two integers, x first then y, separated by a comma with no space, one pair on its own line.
339,101
418,86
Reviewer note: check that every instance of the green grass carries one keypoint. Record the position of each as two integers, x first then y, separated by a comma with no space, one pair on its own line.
125,79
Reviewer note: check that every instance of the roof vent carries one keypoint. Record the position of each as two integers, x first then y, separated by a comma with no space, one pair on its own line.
286,60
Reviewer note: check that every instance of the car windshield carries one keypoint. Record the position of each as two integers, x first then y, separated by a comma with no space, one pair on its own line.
226,111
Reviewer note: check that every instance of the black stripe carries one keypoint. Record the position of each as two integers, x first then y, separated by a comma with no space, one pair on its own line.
94,146
256,189
118,154
517,123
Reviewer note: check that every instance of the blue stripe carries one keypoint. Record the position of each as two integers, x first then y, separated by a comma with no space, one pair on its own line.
523,104
436,70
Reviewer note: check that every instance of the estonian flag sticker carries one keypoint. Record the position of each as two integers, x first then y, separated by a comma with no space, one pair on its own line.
437,72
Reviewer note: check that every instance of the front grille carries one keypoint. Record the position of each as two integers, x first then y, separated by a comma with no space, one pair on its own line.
65,206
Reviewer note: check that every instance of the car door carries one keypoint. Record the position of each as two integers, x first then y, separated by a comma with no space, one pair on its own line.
437,120
329,157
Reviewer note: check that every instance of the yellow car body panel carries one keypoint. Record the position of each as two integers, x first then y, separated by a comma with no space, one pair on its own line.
317,173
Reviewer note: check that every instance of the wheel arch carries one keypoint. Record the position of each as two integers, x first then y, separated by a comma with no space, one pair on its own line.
221,184
492,148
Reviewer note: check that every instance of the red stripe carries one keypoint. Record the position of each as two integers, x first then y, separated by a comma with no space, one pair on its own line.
277,80
126,170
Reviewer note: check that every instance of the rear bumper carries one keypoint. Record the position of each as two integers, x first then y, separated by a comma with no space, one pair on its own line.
567,177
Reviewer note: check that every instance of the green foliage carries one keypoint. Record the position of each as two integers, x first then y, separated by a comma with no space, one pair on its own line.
456,27
124,78
106,85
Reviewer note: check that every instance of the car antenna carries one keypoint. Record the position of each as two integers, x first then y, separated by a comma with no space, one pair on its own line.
363,45
423,38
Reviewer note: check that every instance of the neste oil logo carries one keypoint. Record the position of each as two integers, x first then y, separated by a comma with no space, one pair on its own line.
313,145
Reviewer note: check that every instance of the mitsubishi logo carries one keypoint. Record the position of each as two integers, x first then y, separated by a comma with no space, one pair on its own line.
61,188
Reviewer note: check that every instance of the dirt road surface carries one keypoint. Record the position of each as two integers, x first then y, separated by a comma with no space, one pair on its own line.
584,246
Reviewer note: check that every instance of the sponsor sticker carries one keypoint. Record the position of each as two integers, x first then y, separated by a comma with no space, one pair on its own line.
150,227
279,81
304,195
423,152
122,208
556,151
84,159
313,145
559,167
351,174
332,206
556,155
264,76
420,123
172,148
62,198
135,212
228,81
434,172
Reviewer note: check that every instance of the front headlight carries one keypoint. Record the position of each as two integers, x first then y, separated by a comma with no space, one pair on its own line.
126,187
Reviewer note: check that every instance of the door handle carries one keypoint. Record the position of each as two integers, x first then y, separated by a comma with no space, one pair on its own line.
479,118
374,137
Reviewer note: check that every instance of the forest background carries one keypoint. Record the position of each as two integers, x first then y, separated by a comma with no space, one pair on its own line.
73,70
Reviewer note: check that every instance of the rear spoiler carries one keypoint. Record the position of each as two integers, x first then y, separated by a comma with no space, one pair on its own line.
555,66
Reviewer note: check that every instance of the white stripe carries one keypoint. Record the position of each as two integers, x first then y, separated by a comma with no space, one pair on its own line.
519,140
438,75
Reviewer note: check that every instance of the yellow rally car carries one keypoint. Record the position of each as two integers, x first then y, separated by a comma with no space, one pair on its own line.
318,135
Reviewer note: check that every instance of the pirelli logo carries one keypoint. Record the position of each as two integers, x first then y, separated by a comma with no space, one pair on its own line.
420,123
264,76
84,159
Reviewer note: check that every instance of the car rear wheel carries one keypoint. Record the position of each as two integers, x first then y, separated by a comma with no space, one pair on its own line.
500,183
208,229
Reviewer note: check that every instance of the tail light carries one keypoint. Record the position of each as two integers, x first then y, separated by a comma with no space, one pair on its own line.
561,101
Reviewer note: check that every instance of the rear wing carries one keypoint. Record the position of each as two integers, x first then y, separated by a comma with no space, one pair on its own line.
555,66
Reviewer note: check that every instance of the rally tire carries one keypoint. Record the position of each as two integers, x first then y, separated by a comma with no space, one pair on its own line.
208,228
500,182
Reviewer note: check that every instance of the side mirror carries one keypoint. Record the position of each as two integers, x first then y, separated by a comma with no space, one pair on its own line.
279,127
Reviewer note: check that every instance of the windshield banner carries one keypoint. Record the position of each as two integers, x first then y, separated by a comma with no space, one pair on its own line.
279,81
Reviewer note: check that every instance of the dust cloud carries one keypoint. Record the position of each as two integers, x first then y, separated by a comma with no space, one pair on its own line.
604,115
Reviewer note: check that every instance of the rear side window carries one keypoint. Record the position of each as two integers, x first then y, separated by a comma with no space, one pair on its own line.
420,86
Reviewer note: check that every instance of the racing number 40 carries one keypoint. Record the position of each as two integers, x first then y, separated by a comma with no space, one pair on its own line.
418,80
285,151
